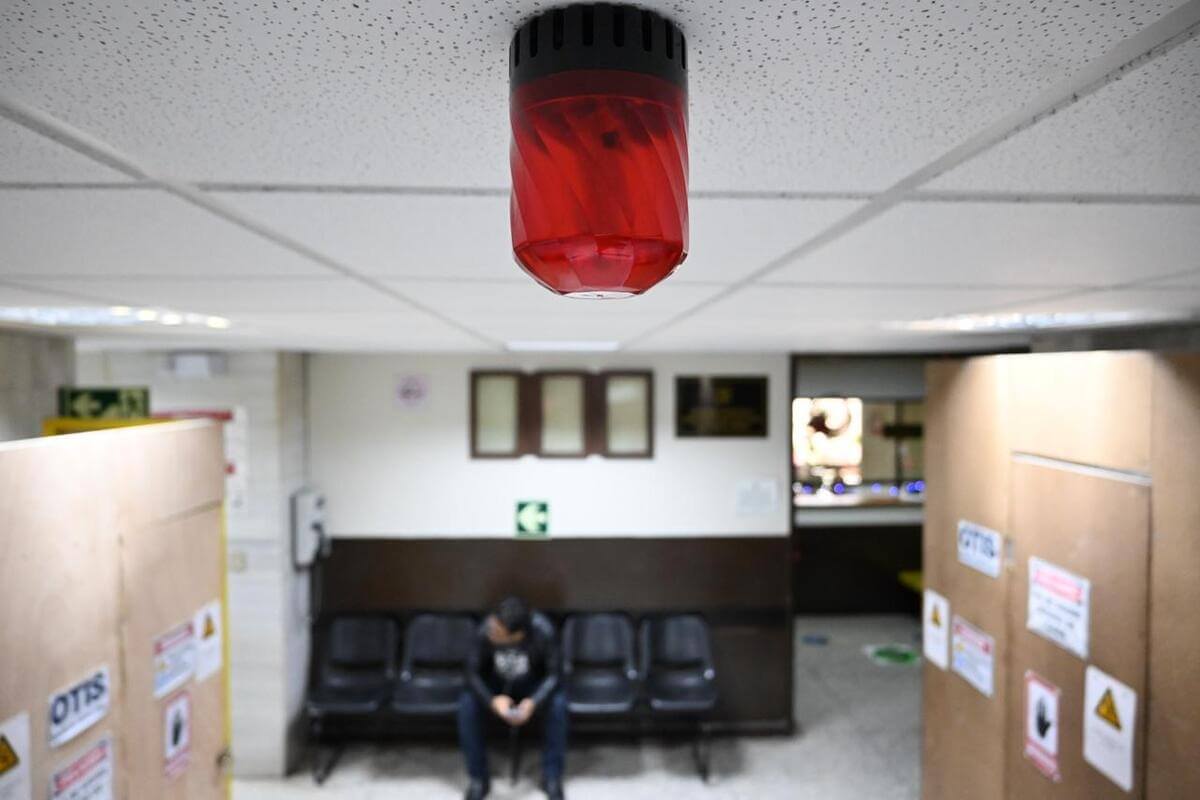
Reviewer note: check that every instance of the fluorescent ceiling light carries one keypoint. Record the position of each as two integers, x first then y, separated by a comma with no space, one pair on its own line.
586,346
107,317
991,323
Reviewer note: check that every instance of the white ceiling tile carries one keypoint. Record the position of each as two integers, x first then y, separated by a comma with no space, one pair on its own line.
28,157
1187,279
803,319
439,236
526,311
435,236
334,331
1137,135
226,295
129,232
733,237
1178,302
825,339
25,297
1008,244
783,94
364,331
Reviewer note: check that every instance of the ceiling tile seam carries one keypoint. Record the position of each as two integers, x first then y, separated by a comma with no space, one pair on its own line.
63,293
924,287
1057,297
81,142
918,196
1172,29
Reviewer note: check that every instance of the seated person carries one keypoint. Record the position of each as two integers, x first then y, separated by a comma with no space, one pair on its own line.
512,674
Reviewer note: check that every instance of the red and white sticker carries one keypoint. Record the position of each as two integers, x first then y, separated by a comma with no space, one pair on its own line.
174,659
87,777
1041,724
177,734
1058,606
973,655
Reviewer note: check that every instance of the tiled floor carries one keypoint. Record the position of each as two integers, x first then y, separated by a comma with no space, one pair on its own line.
859,738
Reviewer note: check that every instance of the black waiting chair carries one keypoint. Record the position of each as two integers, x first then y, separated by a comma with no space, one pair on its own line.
354,675
432,665
679,676
599,666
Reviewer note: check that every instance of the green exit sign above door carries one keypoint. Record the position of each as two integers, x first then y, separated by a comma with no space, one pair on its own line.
533,519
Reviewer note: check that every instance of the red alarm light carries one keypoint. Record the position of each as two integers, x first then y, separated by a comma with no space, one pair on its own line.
599,149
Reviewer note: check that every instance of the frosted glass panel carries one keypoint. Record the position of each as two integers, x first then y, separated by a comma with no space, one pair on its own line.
628,407
562,415
496,414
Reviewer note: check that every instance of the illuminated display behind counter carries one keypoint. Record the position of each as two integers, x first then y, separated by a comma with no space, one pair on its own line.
848,452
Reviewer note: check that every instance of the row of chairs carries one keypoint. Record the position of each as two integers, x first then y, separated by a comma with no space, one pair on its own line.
364,671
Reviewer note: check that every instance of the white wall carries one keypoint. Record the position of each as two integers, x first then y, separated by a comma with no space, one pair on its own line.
391,471
31,370
268,600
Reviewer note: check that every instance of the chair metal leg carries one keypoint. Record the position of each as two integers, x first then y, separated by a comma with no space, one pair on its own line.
514,754
702,750
325,760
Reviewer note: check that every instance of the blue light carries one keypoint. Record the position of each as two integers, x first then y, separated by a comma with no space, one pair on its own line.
894,491
876,487
806,489
838,488
919,486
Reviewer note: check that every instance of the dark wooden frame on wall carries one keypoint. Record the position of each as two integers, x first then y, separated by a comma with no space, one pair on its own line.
601,404
765,380
529,412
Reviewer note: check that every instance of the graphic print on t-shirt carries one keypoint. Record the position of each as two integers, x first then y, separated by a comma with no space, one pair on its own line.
511,664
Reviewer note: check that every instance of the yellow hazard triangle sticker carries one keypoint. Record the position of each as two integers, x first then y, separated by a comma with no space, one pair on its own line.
210,627
936,618
1106,709
8,756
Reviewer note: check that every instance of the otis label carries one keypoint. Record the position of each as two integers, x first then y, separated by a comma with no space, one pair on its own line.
79,706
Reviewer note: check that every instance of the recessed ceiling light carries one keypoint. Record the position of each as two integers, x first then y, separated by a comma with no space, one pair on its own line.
991,323
110,316
562,346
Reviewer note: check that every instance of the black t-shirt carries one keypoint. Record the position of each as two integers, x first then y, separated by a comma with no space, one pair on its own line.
528,668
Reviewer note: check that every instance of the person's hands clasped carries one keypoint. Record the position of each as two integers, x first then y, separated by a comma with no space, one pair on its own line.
522,712
502,704
514,714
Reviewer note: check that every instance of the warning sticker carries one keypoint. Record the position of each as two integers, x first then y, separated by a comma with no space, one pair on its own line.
1041,724
88,777
974,655
207,626
174,659
1109,717
177,735
936,629
78,707
14,758
1058,606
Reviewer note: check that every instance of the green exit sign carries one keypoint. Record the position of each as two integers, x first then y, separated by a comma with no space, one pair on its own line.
533,519
104,402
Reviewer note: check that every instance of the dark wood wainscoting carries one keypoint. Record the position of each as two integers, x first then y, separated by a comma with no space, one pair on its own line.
741,584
